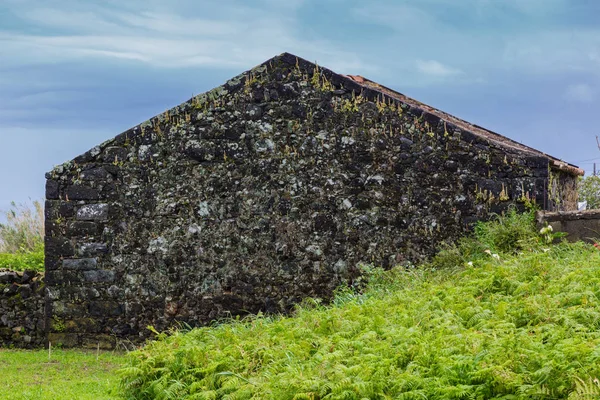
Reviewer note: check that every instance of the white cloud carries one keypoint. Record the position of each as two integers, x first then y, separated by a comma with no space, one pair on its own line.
485,37
581,93
235,36
555,51
435,68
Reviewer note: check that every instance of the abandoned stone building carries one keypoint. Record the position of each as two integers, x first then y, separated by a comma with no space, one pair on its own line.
271,188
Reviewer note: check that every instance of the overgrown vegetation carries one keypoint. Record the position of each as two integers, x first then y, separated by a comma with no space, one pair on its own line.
67,374
512,233
22,237
503,315
21,261
589,190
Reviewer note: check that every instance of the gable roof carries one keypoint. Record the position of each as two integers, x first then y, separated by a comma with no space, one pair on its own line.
433,115
358,84
467,126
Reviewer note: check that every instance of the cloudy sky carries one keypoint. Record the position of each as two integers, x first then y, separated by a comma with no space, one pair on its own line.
74,73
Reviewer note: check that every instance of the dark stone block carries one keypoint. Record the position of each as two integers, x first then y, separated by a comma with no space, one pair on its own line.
299,110
95,174
83,228
122,329
52,228
83,158
110,191
451,166
59,278
115,154
258,95
52,189
427,150
112,169
65,210
231,85
79,192
9,277
58,246
99,276
25,291
415,111
105,308
80,264
92,249
233,133
406,143
52,262
103,342
134,308
70,308
199,153
324,223
432,119
28,275
55,210
63,339
537,162
93,212
253,111
82,325
11,290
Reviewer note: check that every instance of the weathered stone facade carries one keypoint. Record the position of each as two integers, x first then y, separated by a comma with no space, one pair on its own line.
22,305
266,190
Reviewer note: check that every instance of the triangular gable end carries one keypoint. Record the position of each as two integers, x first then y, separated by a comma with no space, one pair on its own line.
317,75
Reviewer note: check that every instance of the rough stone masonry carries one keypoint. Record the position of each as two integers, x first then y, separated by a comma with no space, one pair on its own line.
271,188
22,309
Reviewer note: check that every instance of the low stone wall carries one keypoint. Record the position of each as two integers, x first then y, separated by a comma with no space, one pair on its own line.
578,225
22,305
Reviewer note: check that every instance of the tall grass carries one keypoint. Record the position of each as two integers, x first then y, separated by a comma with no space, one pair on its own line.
24,228
501,322
22,237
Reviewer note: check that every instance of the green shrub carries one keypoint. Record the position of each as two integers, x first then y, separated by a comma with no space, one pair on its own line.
23,230
511,232
508,232
32,260
589,190
522,323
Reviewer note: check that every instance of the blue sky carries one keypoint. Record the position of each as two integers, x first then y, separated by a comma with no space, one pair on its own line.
74,73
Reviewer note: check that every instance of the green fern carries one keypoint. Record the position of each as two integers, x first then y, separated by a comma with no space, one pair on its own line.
525,325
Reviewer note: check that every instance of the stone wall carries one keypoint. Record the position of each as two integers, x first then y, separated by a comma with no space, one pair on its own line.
271,188
22,301
578,225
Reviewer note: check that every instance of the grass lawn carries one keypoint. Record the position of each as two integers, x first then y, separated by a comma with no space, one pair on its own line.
69,374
